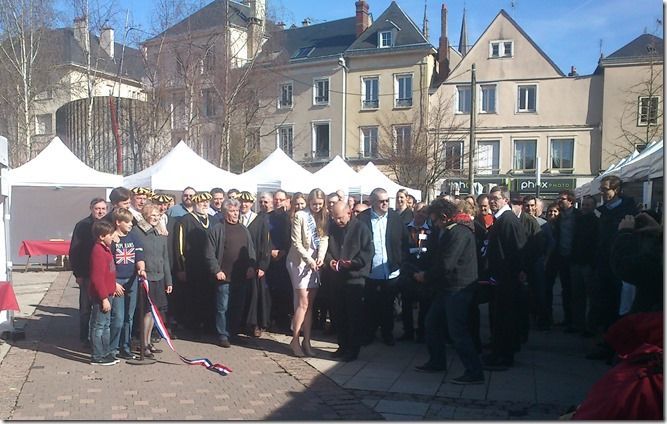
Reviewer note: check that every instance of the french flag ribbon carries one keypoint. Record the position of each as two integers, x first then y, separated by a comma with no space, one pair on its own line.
162,329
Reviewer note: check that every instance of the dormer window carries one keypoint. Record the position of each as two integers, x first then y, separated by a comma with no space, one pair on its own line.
303,52
385,39
501,48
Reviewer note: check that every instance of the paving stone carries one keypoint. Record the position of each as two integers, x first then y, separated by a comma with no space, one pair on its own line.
402,407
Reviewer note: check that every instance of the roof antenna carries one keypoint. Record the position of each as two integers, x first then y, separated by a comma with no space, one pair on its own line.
425,24
513,6
601,55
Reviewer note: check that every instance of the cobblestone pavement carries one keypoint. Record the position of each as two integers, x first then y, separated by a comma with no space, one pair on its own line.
48,376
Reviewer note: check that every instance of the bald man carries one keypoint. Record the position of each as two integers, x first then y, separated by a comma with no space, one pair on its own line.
349,259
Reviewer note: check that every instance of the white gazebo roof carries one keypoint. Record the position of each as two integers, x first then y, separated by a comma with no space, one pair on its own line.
372,178
337,175
182,167
279,170
56,165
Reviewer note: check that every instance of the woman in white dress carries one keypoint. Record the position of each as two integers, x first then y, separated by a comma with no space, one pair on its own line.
305,257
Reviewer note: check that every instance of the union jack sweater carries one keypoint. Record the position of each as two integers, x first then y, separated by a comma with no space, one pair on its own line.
126,253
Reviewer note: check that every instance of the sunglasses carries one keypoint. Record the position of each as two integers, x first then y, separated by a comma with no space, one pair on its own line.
383,201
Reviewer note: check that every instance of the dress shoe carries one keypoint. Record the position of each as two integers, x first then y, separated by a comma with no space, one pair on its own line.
222,342
468,379
296,349
430,367
307,349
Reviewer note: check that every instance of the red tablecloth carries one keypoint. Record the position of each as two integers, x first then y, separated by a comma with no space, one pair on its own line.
43,247
8,300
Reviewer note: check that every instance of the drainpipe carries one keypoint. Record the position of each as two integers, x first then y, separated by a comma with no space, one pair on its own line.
341,62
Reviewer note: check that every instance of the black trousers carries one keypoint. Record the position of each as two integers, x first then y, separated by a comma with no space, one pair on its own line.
379,298
238,292
281,293
350,315
505,307
410,293
558,265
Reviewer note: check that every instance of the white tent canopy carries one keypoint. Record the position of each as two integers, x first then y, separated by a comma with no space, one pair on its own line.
182,167
55,177
372,177
338,175
56,165
636,166
280,171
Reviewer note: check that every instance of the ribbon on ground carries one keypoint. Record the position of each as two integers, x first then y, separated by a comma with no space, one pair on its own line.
162,329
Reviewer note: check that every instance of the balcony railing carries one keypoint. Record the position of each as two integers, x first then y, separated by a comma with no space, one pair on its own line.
371,104
404,102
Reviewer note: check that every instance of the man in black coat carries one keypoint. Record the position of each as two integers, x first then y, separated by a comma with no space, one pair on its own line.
582,265
390,244
280,286
506,267
79,257
349,258
453,276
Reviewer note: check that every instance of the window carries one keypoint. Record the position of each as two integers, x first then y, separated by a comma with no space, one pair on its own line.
208,103
501,48
286,139
562,154
369,93
321,140
180,67
385,39
44,124
369,142
303,52
321,91
488,99
179,117
208,62
464,99
527,98
648,111
403,90
453,155
488,157
402,138
285,99
524,155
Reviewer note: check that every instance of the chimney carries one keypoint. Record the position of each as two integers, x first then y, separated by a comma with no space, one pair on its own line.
363,20
258,11
305,22
280,25
81,35
107,42
573,72
443,48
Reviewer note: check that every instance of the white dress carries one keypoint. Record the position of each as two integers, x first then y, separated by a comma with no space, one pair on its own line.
301,275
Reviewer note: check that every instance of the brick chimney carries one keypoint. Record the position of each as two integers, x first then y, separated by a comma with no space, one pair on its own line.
573,72
443,48
107,42
363,20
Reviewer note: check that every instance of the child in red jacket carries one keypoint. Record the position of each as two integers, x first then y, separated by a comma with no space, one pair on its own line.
102,287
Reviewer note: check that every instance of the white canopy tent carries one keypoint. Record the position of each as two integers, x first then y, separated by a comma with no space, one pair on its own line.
338,175
371,178
634,167
182,167
50,193
279,171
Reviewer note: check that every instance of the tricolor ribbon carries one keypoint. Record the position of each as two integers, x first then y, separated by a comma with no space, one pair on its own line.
162,329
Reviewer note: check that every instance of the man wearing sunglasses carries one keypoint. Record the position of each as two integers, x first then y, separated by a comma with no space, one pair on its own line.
390,243
186,205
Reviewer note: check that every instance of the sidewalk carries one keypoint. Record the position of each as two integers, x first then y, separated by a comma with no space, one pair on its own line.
48,376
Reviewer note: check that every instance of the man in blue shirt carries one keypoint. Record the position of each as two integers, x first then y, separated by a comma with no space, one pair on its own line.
390,243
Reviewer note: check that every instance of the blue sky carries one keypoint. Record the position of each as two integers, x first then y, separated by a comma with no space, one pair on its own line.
569,31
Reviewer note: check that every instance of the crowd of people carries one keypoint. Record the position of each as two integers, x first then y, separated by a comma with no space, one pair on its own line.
228,264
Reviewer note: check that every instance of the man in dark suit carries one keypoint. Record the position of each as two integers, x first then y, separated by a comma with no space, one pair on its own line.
390,244
349,259
506,267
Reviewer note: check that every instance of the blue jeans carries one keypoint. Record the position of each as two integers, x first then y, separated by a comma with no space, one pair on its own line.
451,309
122,315
221,303
99,331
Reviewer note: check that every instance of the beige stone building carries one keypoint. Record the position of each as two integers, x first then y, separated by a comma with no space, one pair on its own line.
632,99
349,86
530,116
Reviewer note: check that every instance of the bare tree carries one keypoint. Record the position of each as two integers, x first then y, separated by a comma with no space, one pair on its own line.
430,150
641,119
22,27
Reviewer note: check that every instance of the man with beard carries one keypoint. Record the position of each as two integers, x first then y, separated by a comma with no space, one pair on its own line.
506,267
186,205
79,256
230,259
277,277
191,235
258,300
349,259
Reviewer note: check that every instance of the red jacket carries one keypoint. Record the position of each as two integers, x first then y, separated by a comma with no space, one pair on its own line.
102,273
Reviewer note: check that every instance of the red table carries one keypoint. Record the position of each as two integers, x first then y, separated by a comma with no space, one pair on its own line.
8,300
31,248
